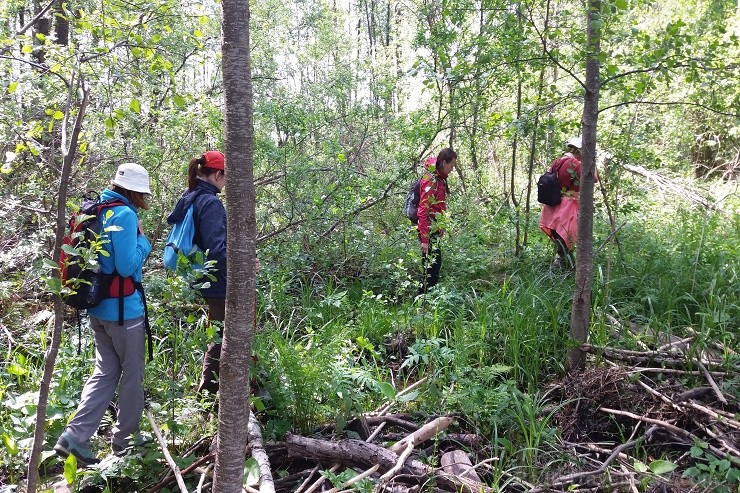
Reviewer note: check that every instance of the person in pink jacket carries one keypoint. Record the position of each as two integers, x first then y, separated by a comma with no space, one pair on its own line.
432,207
560,222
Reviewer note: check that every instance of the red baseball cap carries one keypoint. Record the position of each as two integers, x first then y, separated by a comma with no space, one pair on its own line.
214,160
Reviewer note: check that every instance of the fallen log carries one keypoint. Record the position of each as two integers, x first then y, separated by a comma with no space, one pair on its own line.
665,359
356,453
254,439
457,463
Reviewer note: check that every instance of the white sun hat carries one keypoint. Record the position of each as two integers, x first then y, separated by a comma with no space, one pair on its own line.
575,142
132,176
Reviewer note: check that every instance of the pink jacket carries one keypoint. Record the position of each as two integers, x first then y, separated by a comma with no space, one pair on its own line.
432,194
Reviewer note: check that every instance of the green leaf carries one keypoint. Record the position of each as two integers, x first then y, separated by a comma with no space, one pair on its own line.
409,397
12,87
58,115
251,472
198,33
10,444
621,4
40,36
640,466
387,390
70,469
55,68
50,264
54,284
178,100
17,370
27,49
135,106
662,466
70,250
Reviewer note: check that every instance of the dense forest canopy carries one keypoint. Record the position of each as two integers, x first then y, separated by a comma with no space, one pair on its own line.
349,98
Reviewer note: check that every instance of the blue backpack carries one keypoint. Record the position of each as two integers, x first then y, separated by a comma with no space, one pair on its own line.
180,241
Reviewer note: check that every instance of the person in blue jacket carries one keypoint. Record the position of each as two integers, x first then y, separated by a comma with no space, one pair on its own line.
206,179
119,334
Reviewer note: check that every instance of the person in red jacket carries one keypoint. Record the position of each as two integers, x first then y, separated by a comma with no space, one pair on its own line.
432,207
560,222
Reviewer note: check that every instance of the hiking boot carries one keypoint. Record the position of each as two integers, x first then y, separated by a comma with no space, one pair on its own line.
134,445
67,445
558,264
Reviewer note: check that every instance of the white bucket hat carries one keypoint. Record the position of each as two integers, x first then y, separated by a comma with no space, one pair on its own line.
575,142
132,176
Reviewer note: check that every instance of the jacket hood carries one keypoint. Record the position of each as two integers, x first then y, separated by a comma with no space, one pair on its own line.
187,198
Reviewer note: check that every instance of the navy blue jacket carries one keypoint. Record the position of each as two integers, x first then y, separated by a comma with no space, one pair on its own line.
209,216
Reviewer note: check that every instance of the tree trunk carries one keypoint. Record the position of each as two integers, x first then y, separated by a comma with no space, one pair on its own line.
580,316
68,153
535,127
240,295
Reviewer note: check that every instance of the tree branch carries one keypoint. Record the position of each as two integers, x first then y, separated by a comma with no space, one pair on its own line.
670,103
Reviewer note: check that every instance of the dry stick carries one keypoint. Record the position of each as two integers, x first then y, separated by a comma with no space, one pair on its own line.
167,456
646,357
671,344
712,383
307,480
382,410
721,416
355,479
673,428
267,485
192,467
660,396
712,432
569,478
202,480
423,434
401,460
595,448
672,371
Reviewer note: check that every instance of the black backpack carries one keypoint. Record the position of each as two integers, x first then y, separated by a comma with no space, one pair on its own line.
411,204
548,186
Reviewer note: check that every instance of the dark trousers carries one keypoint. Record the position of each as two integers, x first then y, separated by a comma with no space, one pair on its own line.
212,356
565,255
431,263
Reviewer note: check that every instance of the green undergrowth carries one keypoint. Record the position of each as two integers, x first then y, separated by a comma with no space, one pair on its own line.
329,346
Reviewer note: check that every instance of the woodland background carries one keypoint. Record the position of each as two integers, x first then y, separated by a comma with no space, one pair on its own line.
349,98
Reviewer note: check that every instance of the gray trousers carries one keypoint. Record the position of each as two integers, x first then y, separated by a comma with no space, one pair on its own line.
119,362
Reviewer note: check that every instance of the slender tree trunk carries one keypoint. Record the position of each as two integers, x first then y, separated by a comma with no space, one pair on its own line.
535,129
68,153
581,314
236,351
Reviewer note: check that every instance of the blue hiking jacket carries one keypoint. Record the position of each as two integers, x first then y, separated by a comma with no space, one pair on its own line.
127,252
209,216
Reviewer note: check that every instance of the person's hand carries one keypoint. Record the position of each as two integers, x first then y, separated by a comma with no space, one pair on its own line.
425,248
141,228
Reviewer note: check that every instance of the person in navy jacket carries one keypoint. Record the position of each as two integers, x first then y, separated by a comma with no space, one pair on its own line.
119,335
206,179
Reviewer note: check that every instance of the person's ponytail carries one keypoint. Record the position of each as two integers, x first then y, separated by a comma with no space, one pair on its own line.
193,172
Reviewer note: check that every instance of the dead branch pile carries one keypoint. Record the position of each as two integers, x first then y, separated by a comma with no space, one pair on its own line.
637,407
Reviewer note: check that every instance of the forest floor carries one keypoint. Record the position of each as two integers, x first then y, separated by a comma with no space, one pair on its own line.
634,421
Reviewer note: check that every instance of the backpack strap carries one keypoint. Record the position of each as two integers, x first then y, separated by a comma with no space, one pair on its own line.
120,300
147,326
